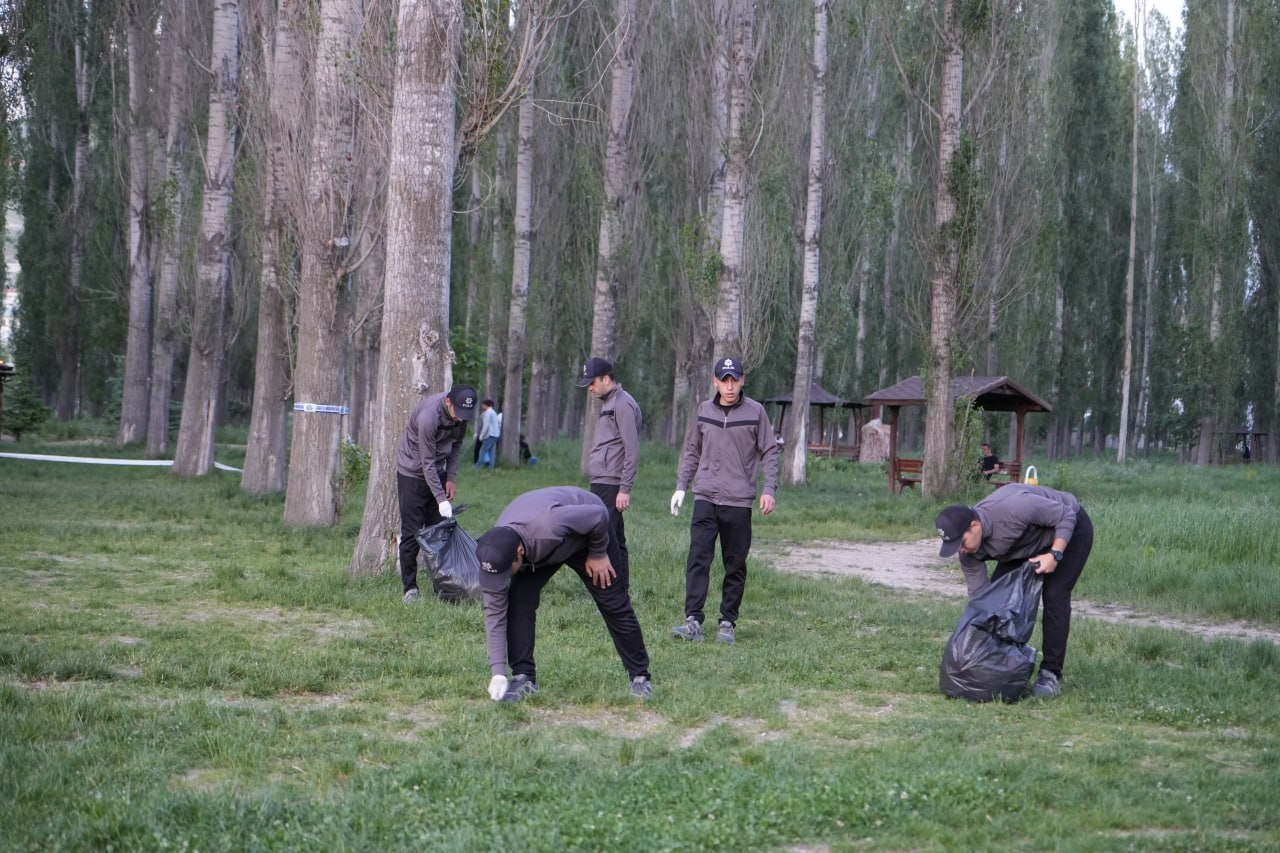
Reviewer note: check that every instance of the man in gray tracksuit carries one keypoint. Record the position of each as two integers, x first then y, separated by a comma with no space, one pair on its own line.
1019,523
728,442
536,534
615,454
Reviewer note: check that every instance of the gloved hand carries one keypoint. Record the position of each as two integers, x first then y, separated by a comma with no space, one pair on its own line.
446,509
677,501
497,687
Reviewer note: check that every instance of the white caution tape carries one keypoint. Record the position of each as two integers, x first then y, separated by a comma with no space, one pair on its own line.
90,460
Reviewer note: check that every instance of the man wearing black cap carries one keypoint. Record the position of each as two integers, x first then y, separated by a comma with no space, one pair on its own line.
536,534
1012,525
728,442
615,455
426,467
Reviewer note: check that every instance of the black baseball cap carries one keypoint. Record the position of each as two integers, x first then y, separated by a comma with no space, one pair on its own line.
592,368
728,366
463,398
952,524
496,551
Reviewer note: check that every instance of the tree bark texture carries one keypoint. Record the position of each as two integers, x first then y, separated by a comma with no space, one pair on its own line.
415,357
513,389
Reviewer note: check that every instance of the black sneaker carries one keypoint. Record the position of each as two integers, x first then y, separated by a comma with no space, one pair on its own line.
520,688
690,629
641,687
1047,685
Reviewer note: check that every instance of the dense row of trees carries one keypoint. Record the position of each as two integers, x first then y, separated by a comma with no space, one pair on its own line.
250,204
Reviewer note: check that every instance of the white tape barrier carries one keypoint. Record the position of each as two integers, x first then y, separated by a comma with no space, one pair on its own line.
89,460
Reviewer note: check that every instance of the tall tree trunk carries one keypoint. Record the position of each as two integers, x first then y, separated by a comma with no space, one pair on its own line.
793,463
617,195
1126,375
265,457
415,355
165,331
323,308
193,455
940,417
68,402
512,399
137,360
495,331
727,326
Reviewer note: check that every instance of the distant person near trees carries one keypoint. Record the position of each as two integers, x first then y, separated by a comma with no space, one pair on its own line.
536,534
728,442
426,468
990,463
489,433
1015,524
614,456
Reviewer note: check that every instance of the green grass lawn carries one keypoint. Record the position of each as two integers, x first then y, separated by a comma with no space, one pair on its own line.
179,671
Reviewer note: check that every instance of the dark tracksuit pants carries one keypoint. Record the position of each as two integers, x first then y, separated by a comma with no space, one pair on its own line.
418,509
1056,597
617,528
732,525
613,602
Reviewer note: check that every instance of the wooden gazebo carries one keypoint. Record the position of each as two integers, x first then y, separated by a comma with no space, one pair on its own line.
990,393
822,399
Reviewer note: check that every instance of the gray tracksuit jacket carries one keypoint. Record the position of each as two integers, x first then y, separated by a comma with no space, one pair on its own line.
724,450
615,452
1018,522
431,445
553,524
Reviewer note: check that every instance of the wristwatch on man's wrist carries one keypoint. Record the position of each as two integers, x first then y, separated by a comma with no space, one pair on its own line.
1057,555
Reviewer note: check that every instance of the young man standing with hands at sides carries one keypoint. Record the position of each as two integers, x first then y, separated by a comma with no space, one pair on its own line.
536,534
1012,525
489,433
615,454
426,468
728,442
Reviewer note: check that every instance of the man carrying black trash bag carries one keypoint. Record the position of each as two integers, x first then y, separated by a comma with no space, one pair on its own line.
1015,524
536,534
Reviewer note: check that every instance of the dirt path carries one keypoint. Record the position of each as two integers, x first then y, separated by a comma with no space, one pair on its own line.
916,568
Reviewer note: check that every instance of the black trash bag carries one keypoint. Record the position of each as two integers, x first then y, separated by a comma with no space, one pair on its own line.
450,553
987,656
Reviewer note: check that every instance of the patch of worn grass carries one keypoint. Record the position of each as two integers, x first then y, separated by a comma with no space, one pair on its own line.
179,670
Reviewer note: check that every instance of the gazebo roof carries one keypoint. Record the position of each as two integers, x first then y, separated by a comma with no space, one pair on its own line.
992,393
818,396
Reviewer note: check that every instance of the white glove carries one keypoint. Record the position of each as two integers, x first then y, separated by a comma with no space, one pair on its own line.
446,509
497,687
677,501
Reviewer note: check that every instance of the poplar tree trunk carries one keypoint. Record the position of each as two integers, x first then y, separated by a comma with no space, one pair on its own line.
617,195
512,399
323,307
500,253
137,360
165,327
727,326
265,457
939,435
1126,375
193,456
415,354
68,401
793,462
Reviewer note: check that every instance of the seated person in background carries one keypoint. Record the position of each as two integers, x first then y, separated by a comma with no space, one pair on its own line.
990,462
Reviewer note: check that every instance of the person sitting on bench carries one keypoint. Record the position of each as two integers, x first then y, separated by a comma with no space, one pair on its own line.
990,462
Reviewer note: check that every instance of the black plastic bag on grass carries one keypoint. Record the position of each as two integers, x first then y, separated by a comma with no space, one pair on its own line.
987,656
450,553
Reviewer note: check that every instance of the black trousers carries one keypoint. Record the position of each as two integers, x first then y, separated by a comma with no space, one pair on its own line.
613,602
418,509
732,526
617,528
1056,598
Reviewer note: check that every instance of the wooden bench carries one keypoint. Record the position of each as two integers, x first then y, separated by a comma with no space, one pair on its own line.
1011,471
843,451
909,472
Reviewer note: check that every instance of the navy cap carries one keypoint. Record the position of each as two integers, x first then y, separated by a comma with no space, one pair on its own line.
592,368
952,524
463,398
727,367
496,549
